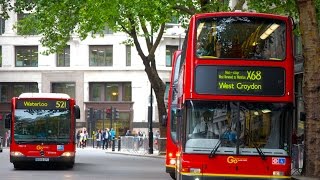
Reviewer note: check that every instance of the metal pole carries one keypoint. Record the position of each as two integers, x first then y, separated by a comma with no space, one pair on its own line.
150,123
103,119
111,117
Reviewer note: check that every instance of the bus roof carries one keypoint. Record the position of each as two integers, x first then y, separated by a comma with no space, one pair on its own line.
44,95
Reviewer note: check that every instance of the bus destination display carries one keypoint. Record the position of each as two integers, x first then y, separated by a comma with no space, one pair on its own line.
264,81
42,104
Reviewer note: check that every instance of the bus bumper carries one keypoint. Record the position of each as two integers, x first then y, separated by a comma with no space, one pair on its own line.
188,177
60,159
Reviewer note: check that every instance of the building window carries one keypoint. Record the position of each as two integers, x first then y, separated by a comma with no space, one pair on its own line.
110,91
128,55
100,55
26,56
2,25
126,92
23,27
64,87
63,58
9,90
169,54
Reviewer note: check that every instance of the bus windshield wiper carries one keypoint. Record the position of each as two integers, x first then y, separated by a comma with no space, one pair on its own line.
216,147
262,155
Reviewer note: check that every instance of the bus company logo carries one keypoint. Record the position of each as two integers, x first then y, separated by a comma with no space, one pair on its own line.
278,161
35,104
234,160
39,147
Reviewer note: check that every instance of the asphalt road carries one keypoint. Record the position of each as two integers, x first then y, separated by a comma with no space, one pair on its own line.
91,164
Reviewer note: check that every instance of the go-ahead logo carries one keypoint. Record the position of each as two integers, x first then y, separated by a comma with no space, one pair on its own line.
235,160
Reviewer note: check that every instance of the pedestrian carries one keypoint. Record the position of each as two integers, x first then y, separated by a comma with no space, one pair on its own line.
78,138
99,138
85,138
105,137
81,139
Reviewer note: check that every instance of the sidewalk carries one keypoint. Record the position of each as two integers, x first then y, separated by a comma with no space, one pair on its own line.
136,153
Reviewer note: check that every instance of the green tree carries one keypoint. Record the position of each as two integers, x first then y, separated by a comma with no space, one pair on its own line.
143,20
307,14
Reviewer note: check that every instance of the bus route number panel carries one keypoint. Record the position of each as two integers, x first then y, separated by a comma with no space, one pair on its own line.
42,104
255,81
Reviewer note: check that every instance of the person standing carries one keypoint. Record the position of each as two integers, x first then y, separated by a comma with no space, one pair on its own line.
99,138
105,137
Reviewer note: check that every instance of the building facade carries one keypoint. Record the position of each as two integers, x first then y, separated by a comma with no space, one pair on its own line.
99,73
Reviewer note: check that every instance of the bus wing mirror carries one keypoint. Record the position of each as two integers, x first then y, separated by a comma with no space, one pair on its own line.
164,120
302,116
77,111
7,121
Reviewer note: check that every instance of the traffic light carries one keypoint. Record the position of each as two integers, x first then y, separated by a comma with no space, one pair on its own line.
108,112
116,113
90,114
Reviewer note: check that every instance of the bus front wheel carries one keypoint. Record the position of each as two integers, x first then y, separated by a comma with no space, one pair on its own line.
173,175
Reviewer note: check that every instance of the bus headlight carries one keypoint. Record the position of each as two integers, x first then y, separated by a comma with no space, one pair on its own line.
278,173
172,161
68,154
16,153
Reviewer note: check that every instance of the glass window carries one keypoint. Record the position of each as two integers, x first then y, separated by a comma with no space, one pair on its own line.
9,90
241,37
44,125
2,25
169,54
24,28
63,58
4,93
115,91
112,92
96,92
64,87
100,55
26,56
126,93
231,124
128,55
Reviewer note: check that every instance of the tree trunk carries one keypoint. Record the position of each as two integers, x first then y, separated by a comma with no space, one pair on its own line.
311,85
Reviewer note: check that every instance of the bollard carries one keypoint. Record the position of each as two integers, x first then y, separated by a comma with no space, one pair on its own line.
113,145
119,143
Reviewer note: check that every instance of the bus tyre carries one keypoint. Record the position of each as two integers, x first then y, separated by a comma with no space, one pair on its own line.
69,165
173,175
17,165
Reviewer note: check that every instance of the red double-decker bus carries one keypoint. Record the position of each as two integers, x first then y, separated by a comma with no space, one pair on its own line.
235,97
171,120
42,129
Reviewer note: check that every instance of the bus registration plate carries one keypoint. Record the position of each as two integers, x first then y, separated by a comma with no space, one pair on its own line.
42,159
